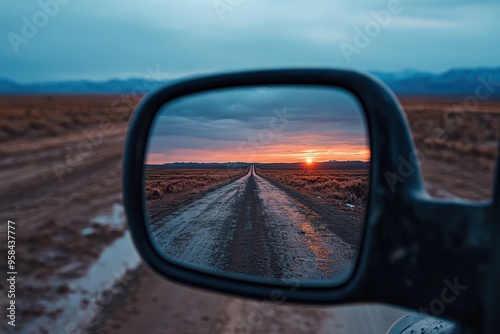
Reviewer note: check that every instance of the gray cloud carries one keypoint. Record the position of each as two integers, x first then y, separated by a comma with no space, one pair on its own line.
224,119
98,40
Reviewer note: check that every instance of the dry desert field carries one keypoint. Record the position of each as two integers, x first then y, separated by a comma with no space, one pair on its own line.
60,170
334,187
168,189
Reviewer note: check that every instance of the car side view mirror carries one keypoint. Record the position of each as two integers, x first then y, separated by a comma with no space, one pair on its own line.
303,186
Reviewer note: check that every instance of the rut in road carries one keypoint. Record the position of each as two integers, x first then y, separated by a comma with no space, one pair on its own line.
251,227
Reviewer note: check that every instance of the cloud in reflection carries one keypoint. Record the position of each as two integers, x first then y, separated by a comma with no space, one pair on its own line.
260,124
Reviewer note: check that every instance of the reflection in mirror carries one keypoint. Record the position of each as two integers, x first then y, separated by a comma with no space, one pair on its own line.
261,183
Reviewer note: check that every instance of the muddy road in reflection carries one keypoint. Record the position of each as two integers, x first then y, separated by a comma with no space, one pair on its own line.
253,227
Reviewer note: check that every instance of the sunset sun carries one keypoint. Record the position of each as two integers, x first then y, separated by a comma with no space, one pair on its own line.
309,161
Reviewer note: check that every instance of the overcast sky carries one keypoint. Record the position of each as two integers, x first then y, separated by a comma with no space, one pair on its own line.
91,39
275,124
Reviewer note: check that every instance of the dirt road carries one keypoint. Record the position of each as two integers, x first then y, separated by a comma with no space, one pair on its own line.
156,306
58,198
252,227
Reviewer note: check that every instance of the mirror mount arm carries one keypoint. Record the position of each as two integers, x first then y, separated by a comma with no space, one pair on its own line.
428,258
496,190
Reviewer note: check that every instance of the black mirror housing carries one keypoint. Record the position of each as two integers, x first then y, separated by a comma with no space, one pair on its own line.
417,252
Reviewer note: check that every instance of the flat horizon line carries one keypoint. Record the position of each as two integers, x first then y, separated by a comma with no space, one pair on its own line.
254,163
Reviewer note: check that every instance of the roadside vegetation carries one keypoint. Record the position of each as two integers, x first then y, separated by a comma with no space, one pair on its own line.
336,187
163,181
168,189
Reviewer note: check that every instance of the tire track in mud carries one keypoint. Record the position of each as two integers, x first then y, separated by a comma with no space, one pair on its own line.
308,246
193,233
250,250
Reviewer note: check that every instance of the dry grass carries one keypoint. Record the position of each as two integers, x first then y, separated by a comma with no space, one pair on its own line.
335,187
34,117
160,182
450,131
169,189
458,144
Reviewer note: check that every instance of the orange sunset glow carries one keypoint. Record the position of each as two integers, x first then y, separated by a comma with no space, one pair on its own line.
313,125
265,154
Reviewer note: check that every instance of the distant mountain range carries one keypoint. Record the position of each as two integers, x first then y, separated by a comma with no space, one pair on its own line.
452,82
115,86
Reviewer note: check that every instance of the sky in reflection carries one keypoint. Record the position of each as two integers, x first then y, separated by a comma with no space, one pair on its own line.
262,124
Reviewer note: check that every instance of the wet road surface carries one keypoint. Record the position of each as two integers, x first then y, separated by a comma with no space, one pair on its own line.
251,227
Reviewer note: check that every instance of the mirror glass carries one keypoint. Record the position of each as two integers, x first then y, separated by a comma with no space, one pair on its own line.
260,183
